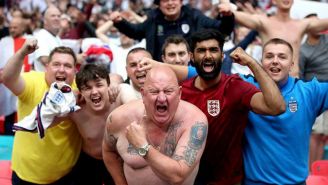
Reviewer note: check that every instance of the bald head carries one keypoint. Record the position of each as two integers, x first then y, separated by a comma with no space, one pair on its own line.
52,20
17,27
161,95
161,74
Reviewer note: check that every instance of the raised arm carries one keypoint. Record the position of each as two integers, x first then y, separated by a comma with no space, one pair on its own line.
316,25
112,159
12,71
101,31
174,165
181,71
135,31
270,101
251,21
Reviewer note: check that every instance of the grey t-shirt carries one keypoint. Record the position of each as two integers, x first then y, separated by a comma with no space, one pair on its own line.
314,60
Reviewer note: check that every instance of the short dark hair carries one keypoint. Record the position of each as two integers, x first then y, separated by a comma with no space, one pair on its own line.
174,39
137,49
206,34
63,50
91,72
279,41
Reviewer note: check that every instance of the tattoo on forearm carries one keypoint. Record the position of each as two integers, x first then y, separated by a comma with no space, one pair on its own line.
132,150
197,138
171,139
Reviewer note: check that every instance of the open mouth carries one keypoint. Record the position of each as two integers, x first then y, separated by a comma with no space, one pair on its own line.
60,79
96,100
161,108
275,70
141,77
208,66
171,9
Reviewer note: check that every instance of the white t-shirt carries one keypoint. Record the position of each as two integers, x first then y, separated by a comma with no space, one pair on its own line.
119,58
46,42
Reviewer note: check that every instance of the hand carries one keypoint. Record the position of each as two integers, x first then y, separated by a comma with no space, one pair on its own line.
79,98
136,135
113,91
29,46
241,57
147,64
116,16
225,8
248,7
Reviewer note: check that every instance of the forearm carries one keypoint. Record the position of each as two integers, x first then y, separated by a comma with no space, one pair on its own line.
12,70
14,66
245,19
317,25
227,25
166,168
101,31
179,70
134,31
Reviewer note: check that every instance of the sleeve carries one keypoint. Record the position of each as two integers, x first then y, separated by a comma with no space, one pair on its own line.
247,87
227,24
224,24
320,95
191,72
135,31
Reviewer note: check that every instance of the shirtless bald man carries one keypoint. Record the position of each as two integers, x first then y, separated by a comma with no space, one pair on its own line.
157,140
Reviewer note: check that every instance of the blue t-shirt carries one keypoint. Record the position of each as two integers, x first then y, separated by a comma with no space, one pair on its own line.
276,148
191,72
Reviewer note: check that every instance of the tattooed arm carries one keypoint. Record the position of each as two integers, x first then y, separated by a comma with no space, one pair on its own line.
112,159
180,161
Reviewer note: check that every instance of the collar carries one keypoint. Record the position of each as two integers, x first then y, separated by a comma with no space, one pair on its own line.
288,86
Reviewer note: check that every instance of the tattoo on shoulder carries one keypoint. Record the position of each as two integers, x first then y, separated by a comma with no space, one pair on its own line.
112,140
110,118
197,138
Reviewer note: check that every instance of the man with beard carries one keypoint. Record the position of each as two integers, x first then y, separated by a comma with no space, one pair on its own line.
226,101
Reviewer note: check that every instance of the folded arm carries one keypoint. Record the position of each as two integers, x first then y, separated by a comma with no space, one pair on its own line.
173,164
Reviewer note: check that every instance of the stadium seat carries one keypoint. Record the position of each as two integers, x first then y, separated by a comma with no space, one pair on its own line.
320,167
316,180
5,172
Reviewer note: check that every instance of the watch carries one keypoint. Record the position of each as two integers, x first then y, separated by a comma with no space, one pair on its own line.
143,150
